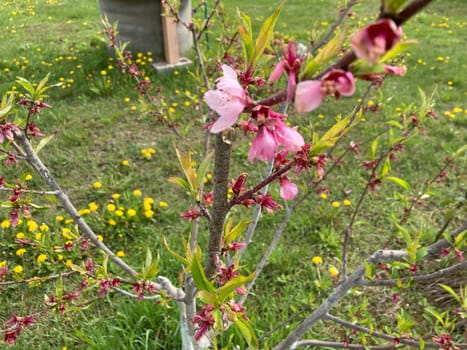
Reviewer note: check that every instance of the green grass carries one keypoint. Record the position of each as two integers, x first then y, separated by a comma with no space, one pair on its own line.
97,122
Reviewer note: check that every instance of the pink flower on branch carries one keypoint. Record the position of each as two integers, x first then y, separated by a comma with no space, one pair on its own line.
229,100
310,93
288,190
291,65
272,133
374,40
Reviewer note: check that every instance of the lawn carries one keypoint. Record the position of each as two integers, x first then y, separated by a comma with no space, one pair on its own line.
108,149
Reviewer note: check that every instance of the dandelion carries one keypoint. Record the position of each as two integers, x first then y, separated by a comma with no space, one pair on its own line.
44,228
125,162
111,207
126,99
103,72
93,206
20,235
317,260
119,213
163,204
84,211
100,238
68,221
38,236
32,225
335,204
41,258
346,202
59,257
20,252
120,253
131,212
148,213
5,224
333,271
97,185
112,222
137,193
323,195
66,233
69,262
59,218
28,177
133,108
18,269
116,196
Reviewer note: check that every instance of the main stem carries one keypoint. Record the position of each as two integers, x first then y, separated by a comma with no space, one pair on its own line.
220,206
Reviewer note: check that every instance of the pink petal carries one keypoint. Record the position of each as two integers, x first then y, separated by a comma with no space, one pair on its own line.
395,70
288,137
308,95
346,84
264,146
288,190
277,72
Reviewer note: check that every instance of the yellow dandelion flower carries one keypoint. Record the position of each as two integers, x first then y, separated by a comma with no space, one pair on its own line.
137,193
32,225
317,260
111,207
18,269
38,236
59,218
103,72
20,252
148,200
120,253
41,258
346,202
97,185
93,206
126,99
100,237
28,177
457,110
323,195
125,162
20,235
116,196
84,211
335,204
119,213
148,213
69,262
131,212
2,263
112,222
59,257
163,204
66,233
44,228
5,224
333,271
68,221
147,206
133,108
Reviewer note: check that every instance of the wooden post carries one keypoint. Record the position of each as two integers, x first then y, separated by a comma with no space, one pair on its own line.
169,32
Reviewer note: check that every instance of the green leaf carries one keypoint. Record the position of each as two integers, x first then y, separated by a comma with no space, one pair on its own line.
452,292
386,167
197,272
180,258
203,169
265,33
393,6
186,164
181,182
332,47
207,297
246,33
6,106
248,332
460,151
398,181
395,123
399,48
224,292
232,234
26,85
374,147
43,142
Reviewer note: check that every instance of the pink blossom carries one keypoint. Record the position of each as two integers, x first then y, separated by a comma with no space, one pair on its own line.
229,100
291,65
310,93
397,70
264,145
271,134
374,40
288,190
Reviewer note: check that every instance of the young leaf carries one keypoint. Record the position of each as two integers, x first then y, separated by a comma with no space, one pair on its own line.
182,183
248,332
185,162
232,234
43,142
26,85
374,147
224,292
386,167
197,272
180,258
398,181
266,32
399,48
452,292
246,34
332,47
203,169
